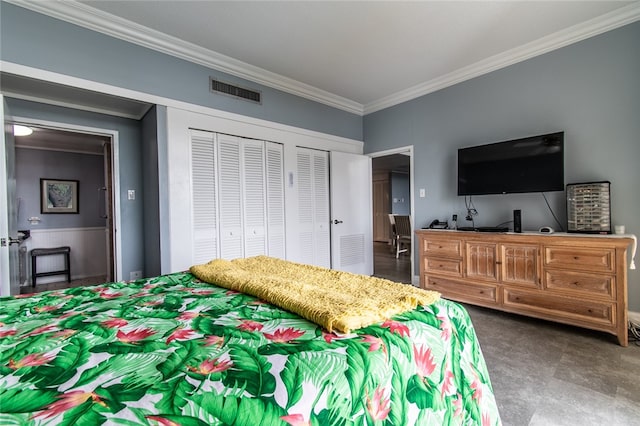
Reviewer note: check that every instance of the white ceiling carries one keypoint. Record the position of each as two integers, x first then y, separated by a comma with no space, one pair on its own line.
360,56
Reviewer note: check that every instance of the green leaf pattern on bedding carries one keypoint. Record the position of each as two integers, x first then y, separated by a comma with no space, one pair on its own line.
175,351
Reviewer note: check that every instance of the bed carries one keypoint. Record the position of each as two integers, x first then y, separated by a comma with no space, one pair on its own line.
174,350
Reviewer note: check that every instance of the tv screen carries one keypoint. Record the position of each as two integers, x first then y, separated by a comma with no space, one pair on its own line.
533,164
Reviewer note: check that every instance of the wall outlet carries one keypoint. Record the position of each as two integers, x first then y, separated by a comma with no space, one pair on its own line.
135,275
131,194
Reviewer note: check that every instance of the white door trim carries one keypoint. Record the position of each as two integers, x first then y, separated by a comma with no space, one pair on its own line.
115,164
406,150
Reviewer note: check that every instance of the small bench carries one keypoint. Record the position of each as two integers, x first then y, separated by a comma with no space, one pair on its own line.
66,250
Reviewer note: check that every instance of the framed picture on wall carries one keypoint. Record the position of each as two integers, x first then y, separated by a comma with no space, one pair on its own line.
58,196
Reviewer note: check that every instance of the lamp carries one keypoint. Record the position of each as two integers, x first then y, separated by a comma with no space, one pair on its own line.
19,130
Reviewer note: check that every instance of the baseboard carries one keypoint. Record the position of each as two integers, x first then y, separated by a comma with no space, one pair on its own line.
415,280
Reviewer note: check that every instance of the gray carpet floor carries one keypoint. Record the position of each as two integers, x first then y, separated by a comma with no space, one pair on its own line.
545,373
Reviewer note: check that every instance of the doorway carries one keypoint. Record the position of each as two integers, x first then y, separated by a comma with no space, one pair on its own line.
392,183
54,151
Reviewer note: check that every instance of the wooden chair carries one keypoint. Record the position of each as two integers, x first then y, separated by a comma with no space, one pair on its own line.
403,233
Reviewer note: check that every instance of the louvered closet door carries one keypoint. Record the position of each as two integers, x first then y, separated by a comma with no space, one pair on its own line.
254,185
230,197
313,207
205,221
275,200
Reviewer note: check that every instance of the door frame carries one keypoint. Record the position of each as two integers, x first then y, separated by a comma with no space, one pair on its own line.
115,173
405,150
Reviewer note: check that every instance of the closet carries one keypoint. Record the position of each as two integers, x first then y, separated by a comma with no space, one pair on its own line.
238,197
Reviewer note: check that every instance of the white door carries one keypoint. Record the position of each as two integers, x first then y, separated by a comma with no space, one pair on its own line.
351,213
314,238
9,283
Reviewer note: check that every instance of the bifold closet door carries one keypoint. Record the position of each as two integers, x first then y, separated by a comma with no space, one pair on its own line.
204,197
231,193
275,200
314,239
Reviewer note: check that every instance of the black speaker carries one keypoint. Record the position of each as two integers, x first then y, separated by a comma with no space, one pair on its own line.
517,221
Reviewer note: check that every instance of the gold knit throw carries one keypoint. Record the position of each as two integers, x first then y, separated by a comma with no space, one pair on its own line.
338,301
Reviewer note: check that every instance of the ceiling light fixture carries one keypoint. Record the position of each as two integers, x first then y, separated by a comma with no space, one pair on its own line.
19,130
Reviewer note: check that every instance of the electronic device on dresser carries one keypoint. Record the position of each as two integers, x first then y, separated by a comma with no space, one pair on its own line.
517,221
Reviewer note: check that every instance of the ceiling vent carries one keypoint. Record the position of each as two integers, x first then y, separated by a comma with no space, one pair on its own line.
217,86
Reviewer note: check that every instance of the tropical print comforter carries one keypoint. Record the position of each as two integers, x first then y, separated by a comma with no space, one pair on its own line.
172,350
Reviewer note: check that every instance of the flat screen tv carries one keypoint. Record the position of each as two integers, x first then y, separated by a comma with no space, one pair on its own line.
533,164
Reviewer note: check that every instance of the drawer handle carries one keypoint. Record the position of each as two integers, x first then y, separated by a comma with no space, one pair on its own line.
498,263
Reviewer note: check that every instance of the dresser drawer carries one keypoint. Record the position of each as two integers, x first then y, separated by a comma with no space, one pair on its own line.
592,259
564,309
442,248
581,283
463,291
443,266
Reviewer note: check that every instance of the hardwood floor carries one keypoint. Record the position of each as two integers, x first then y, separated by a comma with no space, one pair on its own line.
385,264
59,285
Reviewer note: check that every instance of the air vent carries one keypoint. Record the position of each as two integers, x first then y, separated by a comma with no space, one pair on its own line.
221,87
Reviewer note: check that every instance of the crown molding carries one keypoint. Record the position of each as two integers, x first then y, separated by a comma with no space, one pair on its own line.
574,34
105,23
123,29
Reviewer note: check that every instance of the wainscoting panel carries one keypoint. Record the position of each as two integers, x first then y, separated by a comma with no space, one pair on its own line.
88,252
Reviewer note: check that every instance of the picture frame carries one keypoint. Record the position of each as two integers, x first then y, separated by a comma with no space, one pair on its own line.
59,196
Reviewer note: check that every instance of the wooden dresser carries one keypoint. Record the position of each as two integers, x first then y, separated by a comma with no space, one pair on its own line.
574,279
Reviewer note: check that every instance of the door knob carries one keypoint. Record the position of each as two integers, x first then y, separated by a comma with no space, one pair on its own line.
335,222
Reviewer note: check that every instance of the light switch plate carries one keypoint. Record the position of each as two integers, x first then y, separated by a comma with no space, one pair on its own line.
131,194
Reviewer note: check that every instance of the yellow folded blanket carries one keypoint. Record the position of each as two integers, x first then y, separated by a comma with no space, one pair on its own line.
336,300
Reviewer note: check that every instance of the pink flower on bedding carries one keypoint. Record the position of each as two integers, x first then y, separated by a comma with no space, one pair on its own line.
396,327
486,419
249,325
114,323
424,361
295,420
66,333
162,421
477,389
445,326
447,382
66,402
153,302
188,315
375,342
41,330
24,296
214,340
458,404
106,295
31,360
210,366
329,337
284,335
5,333
378,406
46,308
181,334
135,335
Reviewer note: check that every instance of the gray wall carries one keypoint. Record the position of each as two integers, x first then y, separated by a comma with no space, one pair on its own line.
130,156
39,41
34,164
151,196
400,193
590,90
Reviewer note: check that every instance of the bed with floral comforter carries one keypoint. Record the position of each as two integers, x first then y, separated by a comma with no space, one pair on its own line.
172,350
